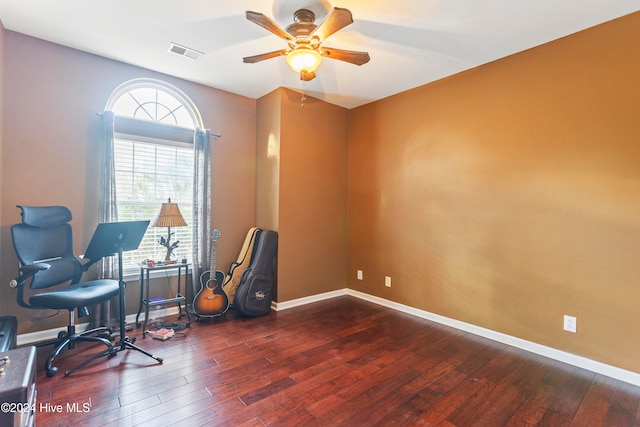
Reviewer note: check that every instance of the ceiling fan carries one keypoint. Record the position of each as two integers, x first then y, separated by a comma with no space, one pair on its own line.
305,38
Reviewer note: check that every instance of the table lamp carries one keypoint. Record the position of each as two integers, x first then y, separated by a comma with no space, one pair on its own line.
169,216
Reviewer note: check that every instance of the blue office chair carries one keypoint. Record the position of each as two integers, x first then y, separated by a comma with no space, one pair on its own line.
44,245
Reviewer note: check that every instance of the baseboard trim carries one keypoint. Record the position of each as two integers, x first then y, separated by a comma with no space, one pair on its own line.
277,306
542,350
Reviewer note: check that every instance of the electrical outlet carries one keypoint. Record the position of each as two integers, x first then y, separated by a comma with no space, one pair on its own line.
359,274
570,324
387,281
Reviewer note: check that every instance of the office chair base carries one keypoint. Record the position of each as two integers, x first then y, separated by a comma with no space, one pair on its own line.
68,340
109,352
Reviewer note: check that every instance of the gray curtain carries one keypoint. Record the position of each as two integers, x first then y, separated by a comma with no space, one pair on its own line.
106,314
201,205
108,209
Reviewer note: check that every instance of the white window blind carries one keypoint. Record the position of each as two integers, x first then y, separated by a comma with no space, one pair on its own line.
148,174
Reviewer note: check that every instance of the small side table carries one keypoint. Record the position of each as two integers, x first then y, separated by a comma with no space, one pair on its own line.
145,273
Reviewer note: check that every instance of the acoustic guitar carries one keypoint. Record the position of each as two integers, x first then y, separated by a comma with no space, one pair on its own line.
211,300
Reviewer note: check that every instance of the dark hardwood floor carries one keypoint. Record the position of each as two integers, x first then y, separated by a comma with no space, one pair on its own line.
337,362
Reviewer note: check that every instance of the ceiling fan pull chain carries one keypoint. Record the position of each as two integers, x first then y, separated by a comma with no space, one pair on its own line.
303,97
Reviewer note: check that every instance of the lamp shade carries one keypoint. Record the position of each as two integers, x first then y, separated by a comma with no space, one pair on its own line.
169,216
303,59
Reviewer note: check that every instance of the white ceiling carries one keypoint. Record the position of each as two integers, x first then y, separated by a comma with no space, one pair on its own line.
411,42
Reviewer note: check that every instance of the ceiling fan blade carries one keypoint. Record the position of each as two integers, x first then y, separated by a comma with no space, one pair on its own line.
351,56
337,19
266,23
257,58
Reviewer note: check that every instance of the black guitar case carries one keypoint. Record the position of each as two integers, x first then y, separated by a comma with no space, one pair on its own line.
255,291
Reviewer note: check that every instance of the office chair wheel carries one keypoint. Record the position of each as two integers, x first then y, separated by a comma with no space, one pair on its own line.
187,324
52,371
112,352
62,335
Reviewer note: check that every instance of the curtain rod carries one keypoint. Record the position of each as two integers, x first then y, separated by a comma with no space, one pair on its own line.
215,135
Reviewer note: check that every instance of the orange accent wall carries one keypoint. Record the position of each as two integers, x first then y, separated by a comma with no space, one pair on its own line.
302,164
269,124
509,195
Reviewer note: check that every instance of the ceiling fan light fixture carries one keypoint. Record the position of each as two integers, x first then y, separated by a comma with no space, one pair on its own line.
303,59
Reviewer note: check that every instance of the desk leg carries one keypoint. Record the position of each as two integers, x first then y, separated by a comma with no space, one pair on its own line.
179,305
186,284
140,301
186,290
146,305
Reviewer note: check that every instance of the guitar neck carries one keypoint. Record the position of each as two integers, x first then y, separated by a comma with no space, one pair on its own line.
214,244
213,255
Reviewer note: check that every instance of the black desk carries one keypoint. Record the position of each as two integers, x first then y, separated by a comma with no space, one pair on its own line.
145,273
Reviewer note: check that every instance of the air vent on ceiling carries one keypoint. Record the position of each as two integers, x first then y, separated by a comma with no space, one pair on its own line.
184,51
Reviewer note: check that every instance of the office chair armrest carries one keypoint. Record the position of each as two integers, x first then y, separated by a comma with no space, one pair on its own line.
26,271
88,262
34,268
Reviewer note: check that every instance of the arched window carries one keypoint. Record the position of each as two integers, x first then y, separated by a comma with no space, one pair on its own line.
155,101
154,126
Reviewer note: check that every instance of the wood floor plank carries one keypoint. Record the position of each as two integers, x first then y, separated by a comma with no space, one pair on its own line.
571,394
595,405
265,391
375,412
228,413
352,400
499,373
342,361
623,407
294,400
502,409
534,408
432,408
